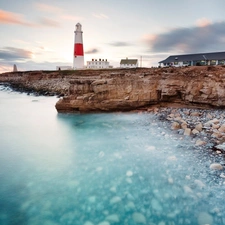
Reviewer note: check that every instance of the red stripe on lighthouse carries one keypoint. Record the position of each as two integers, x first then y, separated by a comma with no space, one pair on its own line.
78,49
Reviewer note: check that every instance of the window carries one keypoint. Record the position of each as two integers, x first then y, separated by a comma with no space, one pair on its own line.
213,62
221,62
203,62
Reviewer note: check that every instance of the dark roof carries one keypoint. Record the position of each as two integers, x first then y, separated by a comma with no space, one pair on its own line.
128,61
195,57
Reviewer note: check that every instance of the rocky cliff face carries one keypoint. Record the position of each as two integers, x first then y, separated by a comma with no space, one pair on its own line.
134,88
127,89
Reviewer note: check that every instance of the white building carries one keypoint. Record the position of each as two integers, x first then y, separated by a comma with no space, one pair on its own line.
128,63
98,64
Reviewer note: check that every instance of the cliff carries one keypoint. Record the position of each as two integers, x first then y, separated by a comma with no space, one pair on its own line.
126,89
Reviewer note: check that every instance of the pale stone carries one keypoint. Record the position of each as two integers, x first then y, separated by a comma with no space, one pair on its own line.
139,218
88,223
187,132
221,147
172,158
215,126
92,199
114,218
184,126
175,126
129,173
162,223
171,115
216,166
129,180
199,127
205,219
222,128
222,175
188,177
215,121
150,148
115,200
199,183
156,205
113,189
209,116
187,190
194,131
178,118
170,180
104,223
195,114
130,205
216,135
200,142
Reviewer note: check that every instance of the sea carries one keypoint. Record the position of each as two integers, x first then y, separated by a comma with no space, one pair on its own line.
101,169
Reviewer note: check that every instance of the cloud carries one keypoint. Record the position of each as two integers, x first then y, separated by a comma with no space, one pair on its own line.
15,54
49,22
92,51
119,44
71,17
203,22
13,18
100,16
48,8
207,37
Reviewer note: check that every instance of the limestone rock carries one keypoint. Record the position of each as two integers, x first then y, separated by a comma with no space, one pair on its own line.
221,147
187,132
115,200
139,218
205,219
113,218
88,223
108,90
216,166
194,131
199,127
175,126
104,223
222,128
200,142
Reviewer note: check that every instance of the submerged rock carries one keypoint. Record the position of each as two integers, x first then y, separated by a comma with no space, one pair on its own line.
104,223
156,205
88,223
205,219
129,173
113,218
139,218
115,200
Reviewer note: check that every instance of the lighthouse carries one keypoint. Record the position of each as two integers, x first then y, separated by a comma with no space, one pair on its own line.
78,55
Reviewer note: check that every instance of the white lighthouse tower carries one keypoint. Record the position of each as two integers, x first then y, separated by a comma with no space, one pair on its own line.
78,55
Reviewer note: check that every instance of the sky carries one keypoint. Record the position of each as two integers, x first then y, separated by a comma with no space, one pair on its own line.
39,34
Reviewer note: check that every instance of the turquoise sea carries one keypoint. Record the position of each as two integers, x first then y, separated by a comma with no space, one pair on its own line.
100,169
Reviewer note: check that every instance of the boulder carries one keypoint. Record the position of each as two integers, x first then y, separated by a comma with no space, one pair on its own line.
187,132
216,166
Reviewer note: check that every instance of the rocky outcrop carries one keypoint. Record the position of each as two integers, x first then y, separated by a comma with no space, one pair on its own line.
127,89
37,82
135,88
